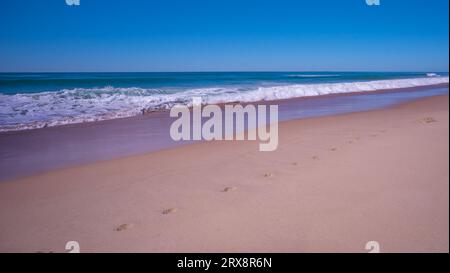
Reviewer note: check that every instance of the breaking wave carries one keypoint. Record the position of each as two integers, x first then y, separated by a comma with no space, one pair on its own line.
36,110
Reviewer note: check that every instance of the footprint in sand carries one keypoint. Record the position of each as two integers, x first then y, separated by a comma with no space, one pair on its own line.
333,149
169,211
123,227
228,189
428,120
315,157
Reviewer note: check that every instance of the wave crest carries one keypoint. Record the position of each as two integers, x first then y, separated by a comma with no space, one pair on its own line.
35,110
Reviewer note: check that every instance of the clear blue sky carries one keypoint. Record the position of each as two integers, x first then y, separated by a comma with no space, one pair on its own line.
218,35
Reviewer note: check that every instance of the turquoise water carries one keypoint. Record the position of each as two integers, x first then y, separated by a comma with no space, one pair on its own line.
34,100
16,83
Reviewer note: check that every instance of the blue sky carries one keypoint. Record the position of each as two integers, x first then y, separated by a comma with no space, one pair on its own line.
223,35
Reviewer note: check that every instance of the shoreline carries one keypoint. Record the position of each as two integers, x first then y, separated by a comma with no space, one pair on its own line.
335,183
34,151
158,113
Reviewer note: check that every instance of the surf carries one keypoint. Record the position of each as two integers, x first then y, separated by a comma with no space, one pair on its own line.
67,106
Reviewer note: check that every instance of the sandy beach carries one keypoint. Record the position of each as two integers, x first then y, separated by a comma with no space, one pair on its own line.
334,184
30,152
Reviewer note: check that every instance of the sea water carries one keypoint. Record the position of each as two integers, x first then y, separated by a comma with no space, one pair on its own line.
35,100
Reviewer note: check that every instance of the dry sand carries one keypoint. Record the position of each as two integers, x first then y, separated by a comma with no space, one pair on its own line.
334,184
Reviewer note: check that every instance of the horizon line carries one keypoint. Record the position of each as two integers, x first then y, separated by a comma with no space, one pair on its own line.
234,71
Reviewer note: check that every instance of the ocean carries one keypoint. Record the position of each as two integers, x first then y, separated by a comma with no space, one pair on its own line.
34,100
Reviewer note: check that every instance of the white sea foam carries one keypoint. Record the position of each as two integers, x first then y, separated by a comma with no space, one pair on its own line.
35,110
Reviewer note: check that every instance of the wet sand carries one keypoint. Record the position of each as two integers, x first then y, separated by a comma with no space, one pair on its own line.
334,184
30,152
